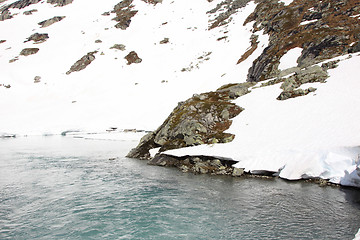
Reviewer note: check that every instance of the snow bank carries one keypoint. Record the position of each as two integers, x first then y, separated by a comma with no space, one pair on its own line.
310,136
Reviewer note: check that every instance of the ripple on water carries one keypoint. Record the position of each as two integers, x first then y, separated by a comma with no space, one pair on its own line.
65,188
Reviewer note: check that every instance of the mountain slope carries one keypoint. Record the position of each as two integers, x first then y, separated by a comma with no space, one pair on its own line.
270,84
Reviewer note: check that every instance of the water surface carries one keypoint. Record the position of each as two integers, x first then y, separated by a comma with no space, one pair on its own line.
67,188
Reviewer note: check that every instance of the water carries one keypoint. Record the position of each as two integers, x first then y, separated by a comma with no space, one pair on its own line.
65,188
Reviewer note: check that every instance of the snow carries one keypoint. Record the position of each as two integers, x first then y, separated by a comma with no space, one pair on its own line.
357,236
290,58
110,93
311,136
308,22
286,2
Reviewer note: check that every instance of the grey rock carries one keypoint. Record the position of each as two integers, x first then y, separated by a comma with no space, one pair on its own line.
48,22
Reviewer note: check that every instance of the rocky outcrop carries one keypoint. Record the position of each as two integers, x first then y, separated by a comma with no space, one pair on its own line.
82,63
124,12
132,57
28,51
51,21
331,32
202,119
6,14
38,37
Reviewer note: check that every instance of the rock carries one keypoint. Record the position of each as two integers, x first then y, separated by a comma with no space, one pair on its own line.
2,41
294,93
164,41
120,47
51,21
82,63
124,13
38,37
28,51
153,1
237,172
37,79
142,150
132,57
30,12
60,3
98,41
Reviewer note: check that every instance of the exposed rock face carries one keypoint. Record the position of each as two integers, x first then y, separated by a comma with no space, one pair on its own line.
132,57
82,63
51,21
28,51
124,12
2,41
38,37
201,119
330,35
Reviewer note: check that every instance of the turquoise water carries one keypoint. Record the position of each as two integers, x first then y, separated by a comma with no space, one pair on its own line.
66,188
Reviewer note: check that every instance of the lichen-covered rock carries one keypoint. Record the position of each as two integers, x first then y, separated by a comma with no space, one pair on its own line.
51,21
132,57
82,63
201,119
28,51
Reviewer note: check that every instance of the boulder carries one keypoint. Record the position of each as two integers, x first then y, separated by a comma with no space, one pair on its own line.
28,51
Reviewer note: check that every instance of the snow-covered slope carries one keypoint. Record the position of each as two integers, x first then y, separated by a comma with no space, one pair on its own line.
316,135
110,93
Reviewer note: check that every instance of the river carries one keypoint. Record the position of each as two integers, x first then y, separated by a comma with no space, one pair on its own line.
69,188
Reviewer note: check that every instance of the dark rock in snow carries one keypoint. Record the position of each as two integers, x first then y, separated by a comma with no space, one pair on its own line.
82,63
